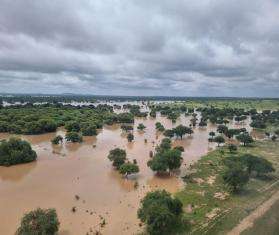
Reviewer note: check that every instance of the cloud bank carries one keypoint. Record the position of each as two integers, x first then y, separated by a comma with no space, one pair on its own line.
124,47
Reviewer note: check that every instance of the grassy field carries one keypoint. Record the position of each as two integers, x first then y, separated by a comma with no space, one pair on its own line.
267,224
209,206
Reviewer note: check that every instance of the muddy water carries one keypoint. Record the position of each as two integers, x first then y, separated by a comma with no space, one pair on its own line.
61,172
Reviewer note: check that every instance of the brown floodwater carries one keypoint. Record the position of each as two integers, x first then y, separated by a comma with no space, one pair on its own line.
61,172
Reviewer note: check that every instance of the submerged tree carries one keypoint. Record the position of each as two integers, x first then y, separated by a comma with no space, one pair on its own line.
117,156
73,137
212,134
159,126
130,137
57,139
169,133
168,160
141,127
128,168
160,212
16,151
39,222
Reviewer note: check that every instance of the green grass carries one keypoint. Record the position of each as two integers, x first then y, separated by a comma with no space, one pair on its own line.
235,207
267,224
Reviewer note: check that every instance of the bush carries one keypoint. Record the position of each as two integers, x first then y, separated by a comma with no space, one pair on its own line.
39,222
160,212
16,151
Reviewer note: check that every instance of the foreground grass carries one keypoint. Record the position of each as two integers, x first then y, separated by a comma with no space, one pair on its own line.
267,224
212,215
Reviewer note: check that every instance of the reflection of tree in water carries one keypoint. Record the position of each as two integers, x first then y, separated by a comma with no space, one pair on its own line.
17,172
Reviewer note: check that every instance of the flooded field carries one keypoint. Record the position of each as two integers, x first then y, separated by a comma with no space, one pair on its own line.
62,172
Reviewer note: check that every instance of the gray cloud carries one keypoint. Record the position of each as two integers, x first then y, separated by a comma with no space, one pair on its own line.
160,47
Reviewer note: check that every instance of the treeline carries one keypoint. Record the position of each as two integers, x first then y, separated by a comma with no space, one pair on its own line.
38,119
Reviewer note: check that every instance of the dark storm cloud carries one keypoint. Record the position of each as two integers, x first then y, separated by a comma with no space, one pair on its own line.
160,47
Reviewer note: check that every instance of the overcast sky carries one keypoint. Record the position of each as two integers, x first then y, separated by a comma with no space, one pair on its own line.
140,47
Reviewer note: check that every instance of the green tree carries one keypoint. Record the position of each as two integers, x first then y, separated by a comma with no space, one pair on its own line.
257,164
89,130
222,129
16,151
130,137
169,133
117,156
212,134
73,137
236,177
219,140
245,138
128,168
164,145
166,160
72,126
159,126
39,222
57,139
160,212
141,127
180,130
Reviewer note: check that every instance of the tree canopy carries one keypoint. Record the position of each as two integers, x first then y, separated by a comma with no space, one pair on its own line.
16,151
39,222
117,156
160,212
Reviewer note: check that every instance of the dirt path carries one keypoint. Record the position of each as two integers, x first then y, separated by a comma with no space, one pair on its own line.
260,211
